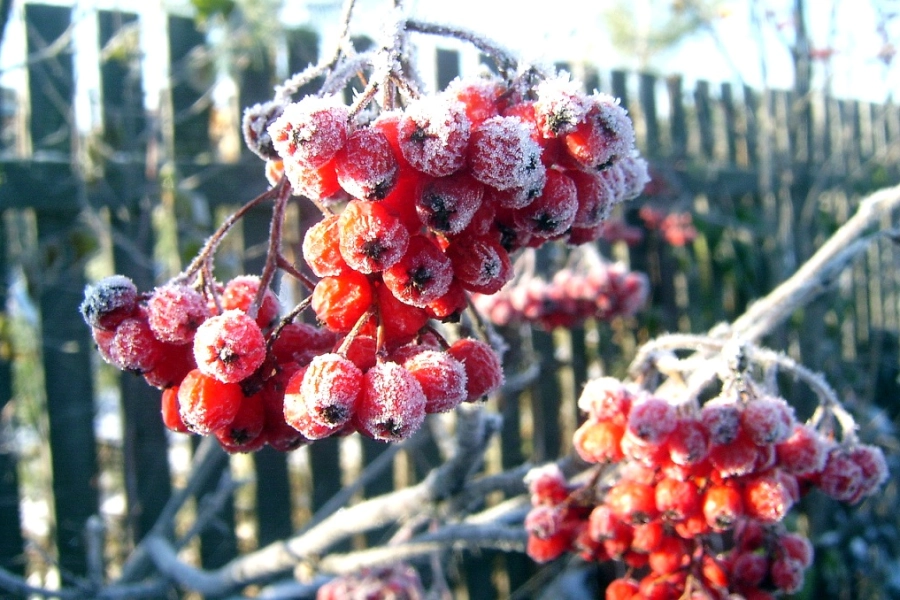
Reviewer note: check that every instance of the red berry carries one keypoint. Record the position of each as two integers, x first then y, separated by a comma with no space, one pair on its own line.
722,506
671,554
560,106
767,499
245,432
871,461
316,183
803,453
544,521
632,502
447,204
310,132
606,399
434,134
450,306
480,264
647,536
484,374
688,443
366,167
340,301
400,322
622,589
595,199
552,213
170,411
767,420
481,97
321,248
736,458
134,347
422,275
109,302
229,347
442,378
677,500
172,366
503,155
652,420
371,238
604,134
362,352
207,404
240,293
750,568
787,574
175,311
722,419
299,343
598,441
296,413
545,550
547,484
330,389
392,405
841,478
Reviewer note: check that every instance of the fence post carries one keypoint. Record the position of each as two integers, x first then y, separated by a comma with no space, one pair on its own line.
144,444
65,342
11,549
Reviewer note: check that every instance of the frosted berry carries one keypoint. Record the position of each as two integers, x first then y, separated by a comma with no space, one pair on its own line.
480,264
481,97
595,198
207,404
603,135
606,398
392,405
442,378
422,275
330,388
371,238
240,293
547,484
560,106
688,444
736,458
767,499
434,135
803,453
632,502
109,302
841,478
399,321
321,248
787,574
310,132
134,347
553,212
652,420
447,204
229,347
871,461
722,419
294,411
319,184
767,420
175,311
677,500
170,368
503,155
340,301
245,432
366,167
484,374
254,126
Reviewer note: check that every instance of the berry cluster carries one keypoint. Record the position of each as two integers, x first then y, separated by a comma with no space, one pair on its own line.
693,500
571,296
249,380
396,582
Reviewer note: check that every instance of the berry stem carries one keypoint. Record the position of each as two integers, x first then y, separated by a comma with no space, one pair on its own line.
506,62
275,236
209,248
288,318
351,335
286,266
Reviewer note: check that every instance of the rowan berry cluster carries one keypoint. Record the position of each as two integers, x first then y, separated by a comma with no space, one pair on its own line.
421,206
396,582
606,291
693,499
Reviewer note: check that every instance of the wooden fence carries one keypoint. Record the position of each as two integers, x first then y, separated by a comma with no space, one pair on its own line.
766,176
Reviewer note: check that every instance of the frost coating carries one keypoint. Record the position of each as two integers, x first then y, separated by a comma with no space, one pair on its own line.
503,154
229,347
442,377
371,239
175,312
330,389
393,404
423,274
560,106
448,204
310,132
434,134
109,301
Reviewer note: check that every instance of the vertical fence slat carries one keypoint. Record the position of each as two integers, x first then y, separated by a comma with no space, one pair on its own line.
65,342
66,348
190,110
147,478
11,549
647,92
677,119
731,127
51,83
703,106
